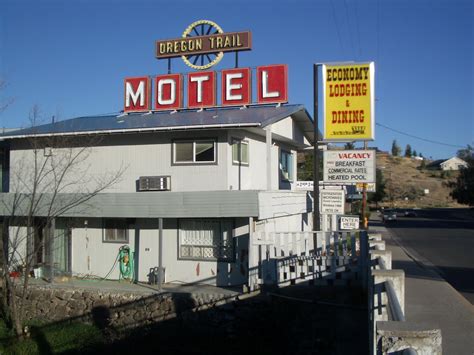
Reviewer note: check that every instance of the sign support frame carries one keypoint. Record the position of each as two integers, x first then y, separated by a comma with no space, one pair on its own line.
316,212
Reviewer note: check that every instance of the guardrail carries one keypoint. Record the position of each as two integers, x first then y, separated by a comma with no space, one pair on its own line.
390,332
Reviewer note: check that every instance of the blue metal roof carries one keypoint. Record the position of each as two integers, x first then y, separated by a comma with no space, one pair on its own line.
257,116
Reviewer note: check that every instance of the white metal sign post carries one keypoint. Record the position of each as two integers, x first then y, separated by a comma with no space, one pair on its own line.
349,166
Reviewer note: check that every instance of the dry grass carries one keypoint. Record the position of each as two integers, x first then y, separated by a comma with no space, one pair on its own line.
405,179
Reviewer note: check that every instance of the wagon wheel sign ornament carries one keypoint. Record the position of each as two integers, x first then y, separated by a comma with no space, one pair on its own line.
203,44
202,28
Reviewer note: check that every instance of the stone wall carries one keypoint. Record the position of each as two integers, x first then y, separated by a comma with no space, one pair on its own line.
118,310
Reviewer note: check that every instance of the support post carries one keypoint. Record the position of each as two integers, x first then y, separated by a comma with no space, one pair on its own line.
316,213
364,200
160,253
49,249
268,139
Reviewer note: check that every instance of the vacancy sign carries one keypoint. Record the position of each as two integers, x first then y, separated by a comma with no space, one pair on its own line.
348,101
331,201
349,166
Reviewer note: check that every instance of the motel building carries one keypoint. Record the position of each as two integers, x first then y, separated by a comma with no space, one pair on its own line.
183,177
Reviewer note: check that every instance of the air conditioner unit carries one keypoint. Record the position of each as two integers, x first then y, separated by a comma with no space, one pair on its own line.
154,183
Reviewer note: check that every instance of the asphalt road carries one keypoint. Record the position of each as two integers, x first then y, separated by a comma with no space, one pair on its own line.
445,238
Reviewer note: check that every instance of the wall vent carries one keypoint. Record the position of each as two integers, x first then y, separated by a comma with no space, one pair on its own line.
154,183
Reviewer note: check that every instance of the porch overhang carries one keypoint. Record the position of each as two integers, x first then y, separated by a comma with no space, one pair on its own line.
190,204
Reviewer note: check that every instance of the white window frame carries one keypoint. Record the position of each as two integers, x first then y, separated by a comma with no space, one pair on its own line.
196,251
238,142
291,170
194,141
105,229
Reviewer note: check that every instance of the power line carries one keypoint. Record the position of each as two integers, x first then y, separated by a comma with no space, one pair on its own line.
337,27
420,138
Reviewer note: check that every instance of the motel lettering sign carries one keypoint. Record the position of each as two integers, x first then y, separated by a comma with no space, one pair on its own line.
165,92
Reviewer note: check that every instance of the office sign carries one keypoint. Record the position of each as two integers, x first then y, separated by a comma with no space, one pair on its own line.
332,201
348,101
349,166
348,222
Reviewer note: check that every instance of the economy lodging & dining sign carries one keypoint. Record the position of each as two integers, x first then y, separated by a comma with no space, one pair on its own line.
348,106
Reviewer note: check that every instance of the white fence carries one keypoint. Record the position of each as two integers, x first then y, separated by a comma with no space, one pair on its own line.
284,258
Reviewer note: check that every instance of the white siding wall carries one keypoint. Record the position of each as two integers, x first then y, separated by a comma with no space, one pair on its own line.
137,155
291,223
91,256
17,244
288,128
150,154
253,176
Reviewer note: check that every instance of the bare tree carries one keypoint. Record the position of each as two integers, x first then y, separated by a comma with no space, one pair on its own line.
50,178
5,102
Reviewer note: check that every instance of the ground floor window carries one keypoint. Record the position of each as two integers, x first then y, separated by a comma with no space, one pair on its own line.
115,230
206,239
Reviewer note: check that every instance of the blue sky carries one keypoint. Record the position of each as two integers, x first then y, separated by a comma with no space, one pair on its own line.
70,57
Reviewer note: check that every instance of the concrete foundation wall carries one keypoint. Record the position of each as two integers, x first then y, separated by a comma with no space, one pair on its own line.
118,310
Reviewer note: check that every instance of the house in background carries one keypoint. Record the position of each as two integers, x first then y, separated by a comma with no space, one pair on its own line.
194,187
453,163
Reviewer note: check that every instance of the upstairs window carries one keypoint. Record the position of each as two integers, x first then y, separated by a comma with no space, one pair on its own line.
115,230
240,152
197,151
286,165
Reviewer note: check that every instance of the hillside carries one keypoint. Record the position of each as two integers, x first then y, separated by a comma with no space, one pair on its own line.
406,183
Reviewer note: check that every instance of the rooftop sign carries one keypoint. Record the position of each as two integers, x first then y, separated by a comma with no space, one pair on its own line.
348,93
166,92
202,44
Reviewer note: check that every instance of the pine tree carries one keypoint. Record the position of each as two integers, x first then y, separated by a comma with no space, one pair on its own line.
395,148
414,154
349,146
408,151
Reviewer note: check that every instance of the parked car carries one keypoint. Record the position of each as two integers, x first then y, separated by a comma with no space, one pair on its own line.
410,213
389,215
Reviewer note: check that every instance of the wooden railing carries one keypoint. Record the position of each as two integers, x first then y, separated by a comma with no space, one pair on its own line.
284,258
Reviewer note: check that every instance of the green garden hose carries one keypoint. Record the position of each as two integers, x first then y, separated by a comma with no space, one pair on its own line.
126,265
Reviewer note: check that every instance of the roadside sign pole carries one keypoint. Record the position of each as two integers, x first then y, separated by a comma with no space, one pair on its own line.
364,197
316,213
